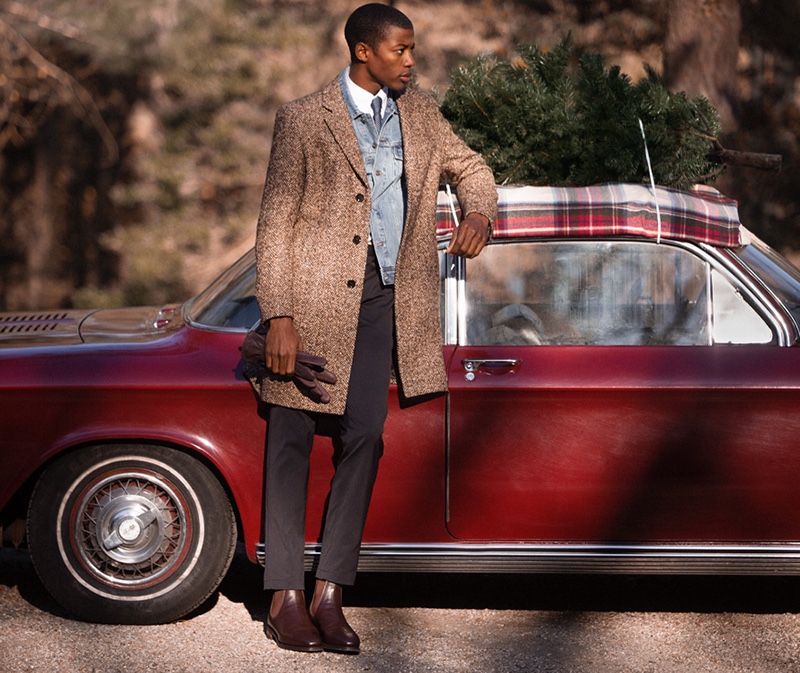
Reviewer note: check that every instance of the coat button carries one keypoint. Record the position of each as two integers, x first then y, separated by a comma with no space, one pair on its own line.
359,197
356,239
351,283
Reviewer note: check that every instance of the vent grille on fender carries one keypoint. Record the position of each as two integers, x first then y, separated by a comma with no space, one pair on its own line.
36,323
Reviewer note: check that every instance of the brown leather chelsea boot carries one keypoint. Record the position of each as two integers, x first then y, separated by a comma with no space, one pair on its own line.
326,614
289,625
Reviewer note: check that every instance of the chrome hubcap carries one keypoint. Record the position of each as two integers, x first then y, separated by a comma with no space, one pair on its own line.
130,529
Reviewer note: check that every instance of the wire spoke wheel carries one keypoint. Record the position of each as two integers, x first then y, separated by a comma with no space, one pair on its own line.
126,534
130,528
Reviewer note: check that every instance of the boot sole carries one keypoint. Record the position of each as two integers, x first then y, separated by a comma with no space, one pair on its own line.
273,635
341,649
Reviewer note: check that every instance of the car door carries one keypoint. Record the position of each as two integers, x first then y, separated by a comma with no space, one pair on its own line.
617,391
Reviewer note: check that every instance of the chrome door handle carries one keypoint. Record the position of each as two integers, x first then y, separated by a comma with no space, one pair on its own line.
472,365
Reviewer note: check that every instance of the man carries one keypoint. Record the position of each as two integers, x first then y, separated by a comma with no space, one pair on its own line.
348,269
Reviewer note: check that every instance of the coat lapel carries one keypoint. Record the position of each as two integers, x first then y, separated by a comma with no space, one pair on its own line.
414,157
338,121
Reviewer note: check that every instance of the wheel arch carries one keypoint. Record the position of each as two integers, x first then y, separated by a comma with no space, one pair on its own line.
17,505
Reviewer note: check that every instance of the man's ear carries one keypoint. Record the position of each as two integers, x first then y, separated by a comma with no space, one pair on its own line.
362,52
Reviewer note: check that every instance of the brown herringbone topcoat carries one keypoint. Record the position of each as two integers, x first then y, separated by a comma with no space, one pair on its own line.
311,243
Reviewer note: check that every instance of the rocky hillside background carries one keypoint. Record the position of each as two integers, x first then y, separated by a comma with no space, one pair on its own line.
134,136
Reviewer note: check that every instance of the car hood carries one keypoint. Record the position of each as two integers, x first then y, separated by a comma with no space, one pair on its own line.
45,328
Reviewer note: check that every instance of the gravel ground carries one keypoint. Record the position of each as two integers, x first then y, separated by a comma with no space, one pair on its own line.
433,623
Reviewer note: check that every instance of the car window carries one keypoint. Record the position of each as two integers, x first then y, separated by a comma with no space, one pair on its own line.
601,293
778,274
229,302
734,320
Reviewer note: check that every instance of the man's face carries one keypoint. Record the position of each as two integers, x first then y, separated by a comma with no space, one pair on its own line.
390,63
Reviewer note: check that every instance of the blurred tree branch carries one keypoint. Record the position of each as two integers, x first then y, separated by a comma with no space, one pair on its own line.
32,15
32,86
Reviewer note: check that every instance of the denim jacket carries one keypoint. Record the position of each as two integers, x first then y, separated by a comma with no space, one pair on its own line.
383,160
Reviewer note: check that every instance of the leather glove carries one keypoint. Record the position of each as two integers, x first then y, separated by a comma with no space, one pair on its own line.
309,369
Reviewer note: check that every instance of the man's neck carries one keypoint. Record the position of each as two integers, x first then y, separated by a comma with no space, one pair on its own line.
360,77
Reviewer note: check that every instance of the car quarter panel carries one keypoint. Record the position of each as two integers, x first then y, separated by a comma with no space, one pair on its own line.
184,390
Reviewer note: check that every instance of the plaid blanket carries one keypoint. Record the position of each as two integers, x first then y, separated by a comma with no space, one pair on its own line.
702,214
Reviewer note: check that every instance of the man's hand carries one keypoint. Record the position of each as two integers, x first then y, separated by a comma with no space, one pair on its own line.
281,347
470,236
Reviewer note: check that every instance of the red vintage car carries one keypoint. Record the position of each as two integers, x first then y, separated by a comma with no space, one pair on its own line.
624,397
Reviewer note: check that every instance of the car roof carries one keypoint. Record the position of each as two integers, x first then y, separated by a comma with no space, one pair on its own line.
613,209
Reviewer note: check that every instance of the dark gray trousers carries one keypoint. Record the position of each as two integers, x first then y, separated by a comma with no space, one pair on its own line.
290,435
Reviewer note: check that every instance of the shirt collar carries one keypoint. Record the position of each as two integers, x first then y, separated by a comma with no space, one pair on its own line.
361,97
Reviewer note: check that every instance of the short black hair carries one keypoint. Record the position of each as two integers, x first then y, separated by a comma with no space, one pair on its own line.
370,23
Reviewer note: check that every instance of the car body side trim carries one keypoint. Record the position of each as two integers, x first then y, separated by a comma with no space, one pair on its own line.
723,559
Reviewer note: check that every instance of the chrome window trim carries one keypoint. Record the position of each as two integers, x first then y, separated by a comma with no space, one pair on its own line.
214,328
710,303
461,301
762,298
732,268
449,265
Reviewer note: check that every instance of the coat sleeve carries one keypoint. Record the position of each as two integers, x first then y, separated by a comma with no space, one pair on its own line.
283,190
468,172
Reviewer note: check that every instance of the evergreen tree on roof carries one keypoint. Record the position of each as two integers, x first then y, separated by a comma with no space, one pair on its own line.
562,118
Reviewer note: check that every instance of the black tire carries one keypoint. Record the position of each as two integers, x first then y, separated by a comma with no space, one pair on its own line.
130,534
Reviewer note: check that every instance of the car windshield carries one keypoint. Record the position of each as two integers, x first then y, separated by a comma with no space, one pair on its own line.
229,302
777,272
